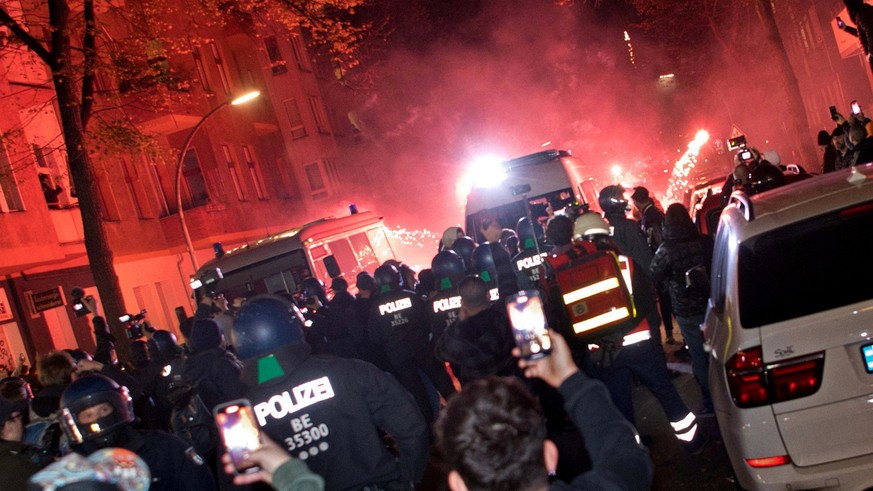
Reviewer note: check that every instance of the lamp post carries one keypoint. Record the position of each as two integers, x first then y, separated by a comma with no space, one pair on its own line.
230,102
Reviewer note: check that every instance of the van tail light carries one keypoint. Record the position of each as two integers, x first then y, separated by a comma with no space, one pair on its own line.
753,383
769,461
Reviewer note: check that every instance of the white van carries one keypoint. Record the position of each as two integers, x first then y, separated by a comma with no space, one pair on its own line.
325,249
538,185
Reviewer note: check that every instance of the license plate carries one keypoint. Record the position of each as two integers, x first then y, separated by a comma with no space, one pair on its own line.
867,354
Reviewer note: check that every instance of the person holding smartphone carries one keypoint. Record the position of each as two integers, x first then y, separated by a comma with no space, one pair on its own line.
492,436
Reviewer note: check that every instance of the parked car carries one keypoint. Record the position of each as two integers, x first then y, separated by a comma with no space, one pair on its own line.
790,332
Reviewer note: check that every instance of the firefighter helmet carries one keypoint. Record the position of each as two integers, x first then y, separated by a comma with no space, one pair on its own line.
588,224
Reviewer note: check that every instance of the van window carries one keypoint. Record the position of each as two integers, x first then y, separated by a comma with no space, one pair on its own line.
364,251
806,267
274,275
344,256
720,258
380,244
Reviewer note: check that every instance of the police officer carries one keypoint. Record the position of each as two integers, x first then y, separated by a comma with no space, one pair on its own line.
530,269
330,331
399,326
448,270
465,246
632,351
97,413
327,411
492,264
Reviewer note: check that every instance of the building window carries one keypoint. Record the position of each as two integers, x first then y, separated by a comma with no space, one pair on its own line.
277,63
195,186
158,188
316,180
255,172
298,129
301,56
332,173
10,198
287,188
130,178
234,172
321,122
108,205
219,65
201,70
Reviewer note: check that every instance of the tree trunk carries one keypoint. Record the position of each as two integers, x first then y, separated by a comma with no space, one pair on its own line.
796,111
100,256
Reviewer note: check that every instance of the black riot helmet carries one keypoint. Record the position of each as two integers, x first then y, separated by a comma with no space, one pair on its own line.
313,287
388,278
448,269
529,233
90,391
493,265
612,200
464,246
265,323
764,177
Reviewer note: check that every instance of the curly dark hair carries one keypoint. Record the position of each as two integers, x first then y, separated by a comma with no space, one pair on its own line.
492,434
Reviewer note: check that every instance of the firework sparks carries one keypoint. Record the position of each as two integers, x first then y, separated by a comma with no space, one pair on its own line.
683,167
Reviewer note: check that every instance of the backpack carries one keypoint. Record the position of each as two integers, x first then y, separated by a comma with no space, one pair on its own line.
593,290
190,419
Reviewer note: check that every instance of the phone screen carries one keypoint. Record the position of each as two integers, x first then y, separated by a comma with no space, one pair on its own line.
529,326
840,22
239,432
856,108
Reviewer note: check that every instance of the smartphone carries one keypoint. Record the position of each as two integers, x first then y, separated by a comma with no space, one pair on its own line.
529,326
856,108
239,432
833,110
840,23
745,155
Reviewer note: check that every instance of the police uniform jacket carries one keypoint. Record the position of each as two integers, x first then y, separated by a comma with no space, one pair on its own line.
399,326
328,411
445,307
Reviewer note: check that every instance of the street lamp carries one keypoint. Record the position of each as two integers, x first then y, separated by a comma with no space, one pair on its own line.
230,102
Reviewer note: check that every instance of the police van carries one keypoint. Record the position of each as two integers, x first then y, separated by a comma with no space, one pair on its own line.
536,185
326,248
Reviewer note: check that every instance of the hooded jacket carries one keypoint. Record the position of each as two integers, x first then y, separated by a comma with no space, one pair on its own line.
682,249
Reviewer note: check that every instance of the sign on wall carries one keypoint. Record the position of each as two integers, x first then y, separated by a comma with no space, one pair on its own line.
47,299
5,308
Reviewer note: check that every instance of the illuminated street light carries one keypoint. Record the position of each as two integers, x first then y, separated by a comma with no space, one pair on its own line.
230,102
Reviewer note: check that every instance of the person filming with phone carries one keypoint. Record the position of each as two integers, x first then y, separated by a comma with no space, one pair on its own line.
492,435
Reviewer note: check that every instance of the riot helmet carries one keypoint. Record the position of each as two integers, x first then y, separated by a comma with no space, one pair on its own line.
464,246
110,405
388,278
264,324
529,232
483,261
588,225
365,281
612,200
448,269
765,177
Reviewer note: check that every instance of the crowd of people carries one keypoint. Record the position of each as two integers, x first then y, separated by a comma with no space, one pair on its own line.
416,376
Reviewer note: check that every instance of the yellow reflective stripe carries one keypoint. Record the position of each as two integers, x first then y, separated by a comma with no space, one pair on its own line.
636,337
590,290
600,320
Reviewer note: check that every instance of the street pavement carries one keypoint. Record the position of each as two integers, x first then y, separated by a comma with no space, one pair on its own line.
675,469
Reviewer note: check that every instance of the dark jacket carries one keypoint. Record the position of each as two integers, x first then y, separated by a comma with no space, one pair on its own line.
217,373
328,411
683,248
173,467
479,346
618,461
19,461
399,326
